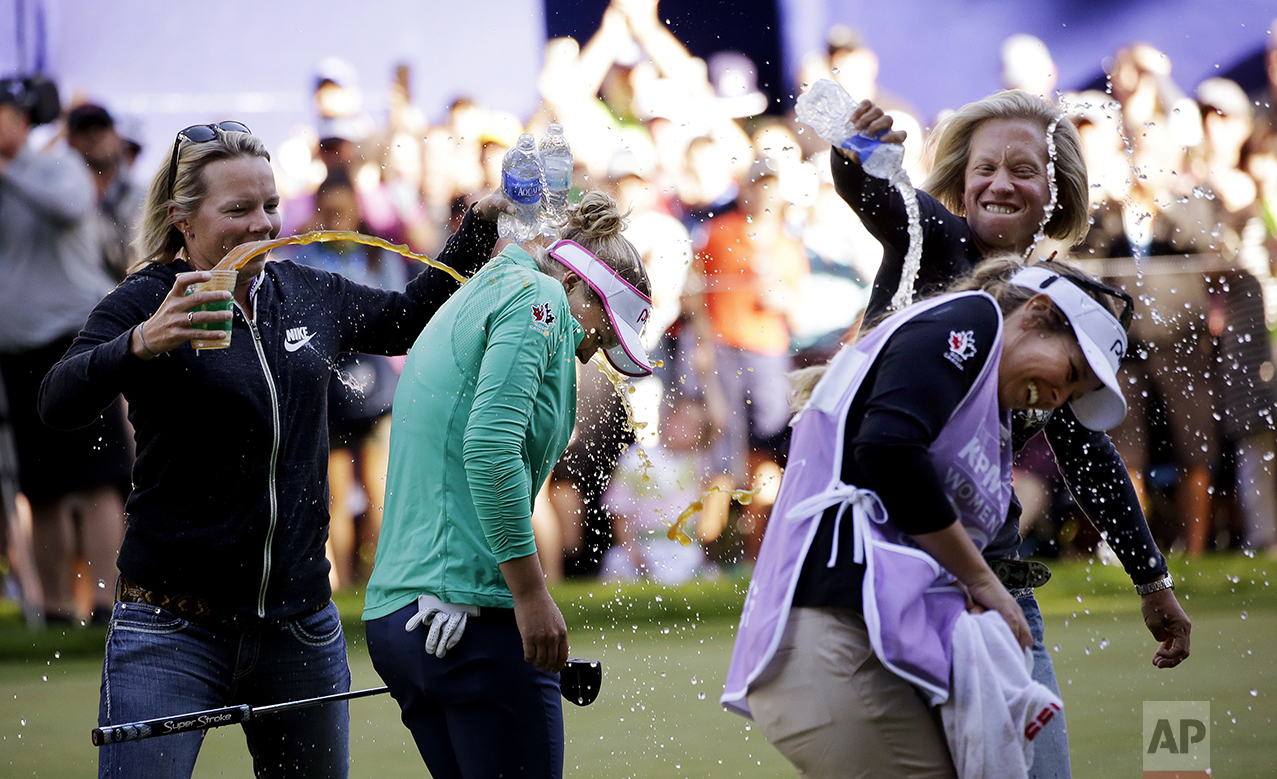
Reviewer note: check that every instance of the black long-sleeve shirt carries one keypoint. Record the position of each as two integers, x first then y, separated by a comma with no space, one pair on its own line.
1088,461
906,399
230,495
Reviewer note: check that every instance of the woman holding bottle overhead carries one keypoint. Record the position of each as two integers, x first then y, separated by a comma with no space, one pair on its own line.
991,190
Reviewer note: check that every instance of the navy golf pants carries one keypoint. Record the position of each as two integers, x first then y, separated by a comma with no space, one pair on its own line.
481,712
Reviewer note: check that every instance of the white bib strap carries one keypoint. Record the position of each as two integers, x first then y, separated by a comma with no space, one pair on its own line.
863,502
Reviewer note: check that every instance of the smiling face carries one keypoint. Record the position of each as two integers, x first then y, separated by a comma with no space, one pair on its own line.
1040,369
588,310
241,206
1006,191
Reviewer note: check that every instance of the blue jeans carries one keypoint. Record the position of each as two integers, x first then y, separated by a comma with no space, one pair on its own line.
479,712
1051,747
159,665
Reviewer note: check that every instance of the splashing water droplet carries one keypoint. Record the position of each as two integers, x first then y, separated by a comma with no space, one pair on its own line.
1040,235
913,256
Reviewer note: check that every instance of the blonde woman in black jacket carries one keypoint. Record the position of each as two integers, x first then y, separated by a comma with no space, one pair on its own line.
223,596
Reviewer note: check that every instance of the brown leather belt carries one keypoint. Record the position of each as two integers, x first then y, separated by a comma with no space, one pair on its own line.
198,610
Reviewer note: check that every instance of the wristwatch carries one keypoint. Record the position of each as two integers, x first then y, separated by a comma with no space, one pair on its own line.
1157,585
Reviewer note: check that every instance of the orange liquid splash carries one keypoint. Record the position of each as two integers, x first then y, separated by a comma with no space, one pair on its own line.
676,531
239,256
623,390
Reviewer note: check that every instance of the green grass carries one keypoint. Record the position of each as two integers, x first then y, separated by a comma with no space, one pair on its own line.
663,649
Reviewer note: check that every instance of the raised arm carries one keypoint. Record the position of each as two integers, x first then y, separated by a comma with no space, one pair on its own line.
947,249
667,52
376,321
675,62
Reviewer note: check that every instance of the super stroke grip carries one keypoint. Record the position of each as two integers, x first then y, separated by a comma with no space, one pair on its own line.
164,726
212,718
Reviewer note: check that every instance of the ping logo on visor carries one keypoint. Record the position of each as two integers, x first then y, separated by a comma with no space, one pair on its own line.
627,308
1099,334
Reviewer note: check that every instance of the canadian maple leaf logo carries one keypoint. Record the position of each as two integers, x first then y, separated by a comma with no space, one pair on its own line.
961,346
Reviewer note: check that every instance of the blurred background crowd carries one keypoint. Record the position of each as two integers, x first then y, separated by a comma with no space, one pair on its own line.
760,267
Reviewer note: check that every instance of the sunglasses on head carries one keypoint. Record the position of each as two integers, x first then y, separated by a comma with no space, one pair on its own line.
199,133
1128,303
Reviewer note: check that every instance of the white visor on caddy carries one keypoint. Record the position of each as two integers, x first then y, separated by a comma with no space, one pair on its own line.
627,308
1101,336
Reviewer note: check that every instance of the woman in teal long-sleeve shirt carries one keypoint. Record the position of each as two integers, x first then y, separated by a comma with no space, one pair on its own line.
483,411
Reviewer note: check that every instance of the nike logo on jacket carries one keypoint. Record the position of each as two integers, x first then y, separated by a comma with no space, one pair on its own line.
296,338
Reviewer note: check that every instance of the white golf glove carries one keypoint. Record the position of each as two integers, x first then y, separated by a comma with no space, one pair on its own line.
447,622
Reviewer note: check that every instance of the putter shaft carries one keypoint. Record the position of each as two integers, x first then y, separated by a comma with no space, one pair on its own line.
212,718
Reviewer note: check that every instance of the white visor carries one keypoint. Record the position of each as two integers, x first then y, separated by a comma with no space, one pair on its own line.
1101,337
627,308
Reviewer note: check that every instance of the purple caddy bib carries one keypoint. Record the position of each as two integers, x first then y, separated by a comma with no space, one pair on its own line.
910,602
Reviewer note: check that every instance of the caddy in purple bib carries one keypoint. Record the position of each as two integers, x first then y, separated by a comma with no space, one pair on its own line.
910,602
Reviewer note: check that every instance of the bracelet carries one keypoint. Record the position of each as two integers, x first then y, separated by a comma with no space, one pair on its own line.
142,337
1157,585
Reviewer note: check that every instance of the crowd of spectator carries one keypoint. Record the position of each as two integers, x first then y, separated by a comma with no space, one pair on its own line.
759,267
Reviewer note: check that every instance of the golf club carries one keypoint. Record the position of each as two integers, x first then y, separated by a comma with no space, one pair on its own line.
579,683
212,718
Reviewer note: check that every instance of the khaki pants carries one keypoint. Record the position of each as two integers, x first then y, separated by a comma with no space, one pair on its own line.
834,710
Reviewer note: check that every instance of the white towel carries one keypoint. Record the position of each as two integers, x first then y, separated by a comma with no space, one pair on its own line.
995,709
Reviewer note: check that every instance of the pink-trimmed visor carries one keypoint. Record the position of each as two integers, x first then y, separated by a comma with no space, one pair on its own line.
627,308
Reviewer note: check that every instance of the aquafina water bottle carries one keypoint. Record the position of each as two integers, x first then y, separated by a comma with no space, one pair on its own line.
556,161
826,108
521,180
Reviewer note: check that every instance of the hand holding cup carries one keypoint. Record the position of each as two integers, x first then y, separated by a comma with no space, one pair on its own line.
195,304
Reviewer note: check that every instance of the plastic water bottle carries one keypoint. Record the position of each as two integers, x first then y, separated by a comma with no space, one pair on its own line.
826,108
556,160
521,180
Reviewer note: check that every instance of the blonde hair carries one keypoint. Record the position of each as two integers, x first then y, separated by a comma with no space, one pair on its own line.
992,276
951,149
158,240
596,224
